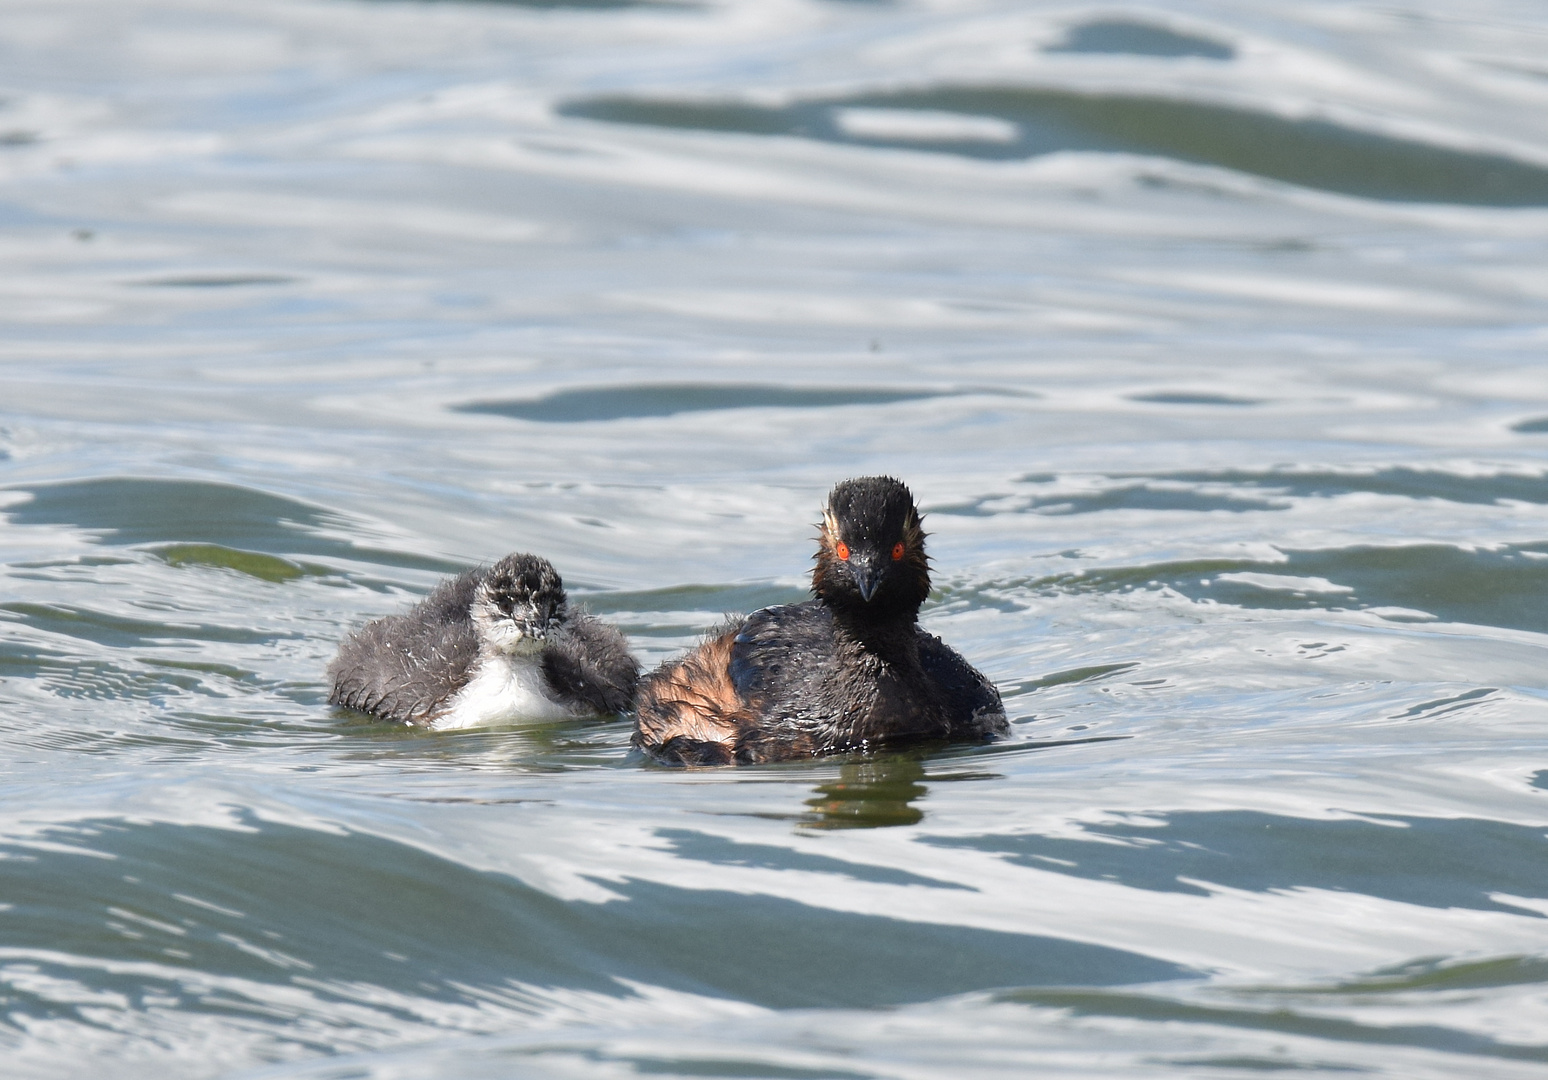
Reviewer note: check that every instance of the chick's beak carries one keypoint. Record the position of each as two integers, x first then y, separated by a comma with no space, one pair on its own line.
529,622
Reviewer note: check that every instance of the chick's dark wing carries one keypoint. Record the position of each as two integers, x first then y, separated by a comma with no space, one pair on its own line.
588,661
404,667
400,669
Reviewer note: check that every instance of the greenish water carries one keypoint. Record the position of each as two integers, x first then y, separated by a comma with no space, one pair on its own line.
1313,153
1210,339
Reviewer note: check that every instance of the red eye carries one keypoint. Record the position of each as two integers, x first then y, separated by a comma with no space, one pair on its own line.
897,551
842,551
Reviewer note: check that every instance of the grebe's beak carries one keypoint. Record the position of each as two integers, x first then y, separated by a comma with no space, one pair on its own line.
867,578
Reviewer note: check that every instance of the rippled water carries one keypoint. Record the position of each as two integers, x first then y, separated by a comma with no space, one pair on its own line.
1210,335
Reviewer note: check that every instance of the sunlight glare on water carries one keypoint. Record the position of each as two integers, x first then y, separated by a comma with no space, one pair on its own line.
1208,334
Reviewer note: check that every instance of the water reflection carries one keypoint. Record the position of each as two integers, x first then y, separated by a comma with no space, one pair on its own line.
1286,1021
1139,39
1503,586
874,794
670,399
402,934
219,524
1243,490
1010,122
1454,863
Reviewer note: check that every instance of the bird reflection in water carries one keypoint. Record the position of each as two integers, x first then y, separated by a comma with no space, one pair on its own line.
873,794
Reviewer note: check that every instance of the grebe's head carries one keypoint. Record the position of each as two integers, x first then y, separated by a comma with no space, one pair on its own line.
519,601
871,558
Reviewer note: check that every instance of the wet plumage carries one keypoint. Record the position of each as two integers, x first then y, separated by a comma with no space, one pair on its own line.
493,645
848,669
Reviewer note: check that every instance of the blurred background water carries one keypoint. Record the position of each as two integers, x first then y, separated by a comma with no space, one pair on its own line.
1209,333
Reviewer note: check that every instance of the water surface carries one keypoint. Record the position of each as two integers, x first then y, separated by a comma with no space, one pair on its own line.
1209,337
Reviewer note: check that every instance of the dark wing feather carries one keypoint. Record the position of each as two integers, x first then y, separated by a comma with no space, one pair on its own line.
779,648
786,663
404,667
970,700
588,662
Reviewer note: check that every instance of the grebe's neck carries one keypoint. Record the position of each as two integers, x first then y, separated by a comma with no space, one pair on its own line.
893,637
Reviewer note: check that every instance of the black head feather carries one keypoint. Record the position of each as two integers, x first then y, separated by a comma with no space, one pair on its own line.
871,560
520,597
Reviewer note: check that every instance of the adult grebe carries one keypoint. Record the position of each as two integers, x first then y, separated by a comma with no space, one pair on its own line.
847,670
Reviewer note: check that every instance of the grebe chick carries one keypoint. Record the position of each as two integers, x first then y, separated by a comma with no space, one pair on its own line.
491,646
847,670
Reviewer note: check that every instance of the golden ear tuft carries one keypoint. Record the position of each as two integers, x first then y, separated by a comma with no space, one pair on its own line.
830,536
